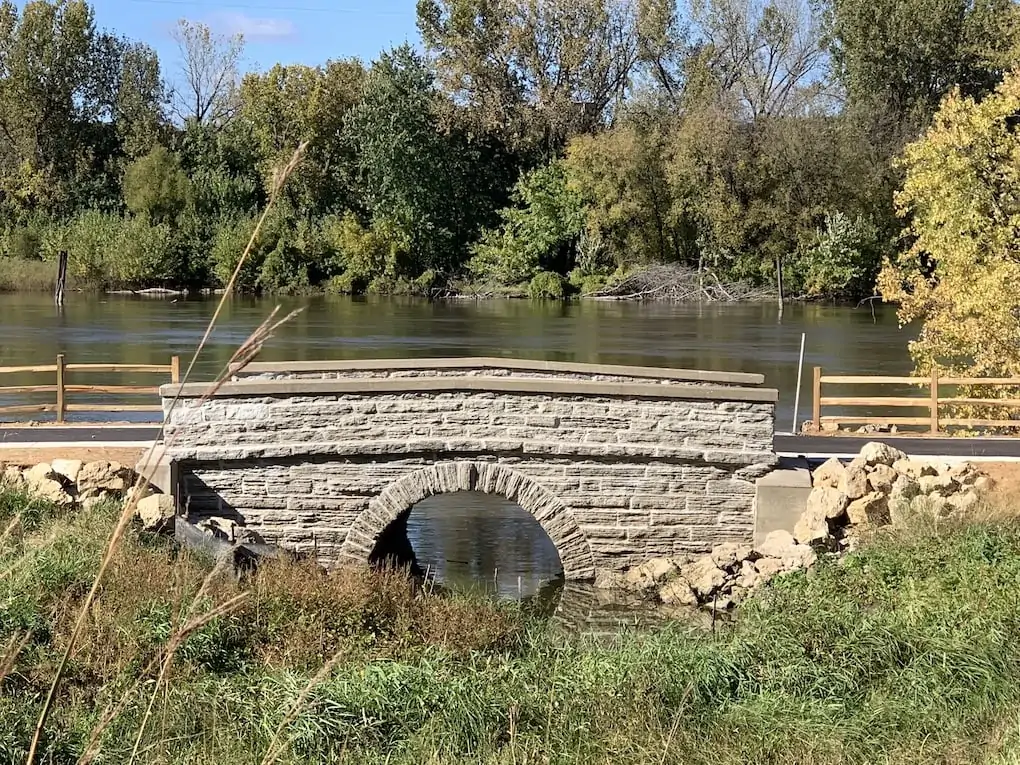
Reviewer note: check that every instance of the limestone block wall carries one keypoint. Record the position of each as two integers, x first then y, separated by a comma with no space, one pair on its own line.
617,470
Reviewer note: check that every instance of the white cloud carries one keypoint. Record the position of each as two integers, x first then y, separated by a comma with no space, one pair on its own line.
254,28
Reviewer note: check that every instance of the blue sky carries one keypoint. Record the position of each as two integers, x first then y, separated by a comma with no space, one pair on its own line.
286,31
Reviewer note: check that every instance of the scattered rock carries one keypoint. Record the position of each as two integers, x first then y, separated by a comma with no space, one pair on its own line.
826,504
749,577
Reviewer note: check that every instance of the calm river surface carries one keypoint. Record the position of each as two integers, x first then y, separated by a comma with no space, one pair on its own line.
464,536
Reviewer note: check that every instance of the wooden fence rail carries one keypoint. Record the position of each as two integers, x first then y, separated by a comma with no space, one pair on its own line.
61,388
930,400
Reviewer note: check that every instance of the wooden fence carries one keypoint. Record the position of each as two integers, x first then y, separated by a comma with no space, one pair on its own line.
931,400
62,389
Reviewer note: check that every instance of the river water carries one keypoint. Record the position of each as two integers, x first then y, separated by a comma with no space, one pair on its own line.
463,537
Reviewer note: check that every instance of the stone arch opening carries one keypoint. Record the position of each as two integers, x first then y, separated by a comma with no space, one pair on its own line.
396,501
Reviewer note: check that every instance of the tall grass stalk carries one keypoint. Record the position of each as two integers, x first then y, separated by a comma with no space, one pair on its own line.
247,351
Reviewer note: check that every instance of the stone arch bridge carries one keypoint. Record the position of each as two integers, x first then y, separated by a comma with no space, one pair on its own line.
616,463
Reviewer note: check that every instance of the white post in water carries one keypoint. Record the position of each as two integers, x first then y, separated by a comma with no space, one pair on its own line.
800,369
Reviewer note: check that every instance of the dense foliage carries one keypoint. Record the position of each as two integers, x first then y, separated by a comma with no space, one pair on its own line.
960,276
904,652
538,149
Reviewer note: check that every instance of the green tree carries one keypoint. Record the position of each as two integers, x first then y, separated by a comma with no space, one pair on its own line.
58,81
291,104
140,100
899,57
425,183
620,175
534,73
538,233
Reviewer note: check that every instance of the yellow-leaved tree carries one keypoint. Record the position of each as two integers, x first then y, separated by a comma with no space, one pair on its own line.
961,275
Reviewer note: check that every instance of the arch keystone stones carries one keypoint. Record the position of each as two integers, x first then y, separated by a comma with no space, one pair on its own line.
403,494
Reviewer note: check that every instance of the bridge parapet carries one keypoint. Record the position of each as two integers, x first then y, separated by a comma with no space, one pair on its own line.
635,461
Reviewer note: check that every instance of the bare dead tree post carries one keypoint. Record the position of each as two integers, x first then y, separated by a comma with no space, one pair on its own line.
209,66
58,291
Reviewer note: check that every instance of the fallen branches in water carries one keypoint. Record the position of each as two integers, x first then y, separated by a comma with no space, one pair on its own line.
680,284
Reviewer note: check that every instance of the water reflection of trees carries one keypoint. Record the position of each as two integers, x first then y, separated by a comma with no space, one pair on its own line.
479,540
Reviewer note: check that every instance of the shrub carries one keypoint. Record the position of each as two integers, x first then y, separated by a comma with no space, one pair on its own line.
546,285
156,186
24,244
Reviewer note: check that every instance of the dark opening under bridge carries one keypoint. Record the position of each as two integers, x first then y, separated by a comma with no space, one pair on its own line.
618,464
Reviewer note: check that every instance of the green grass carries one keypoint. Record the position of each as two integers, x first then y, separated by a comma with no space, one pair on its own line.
904,653
29,275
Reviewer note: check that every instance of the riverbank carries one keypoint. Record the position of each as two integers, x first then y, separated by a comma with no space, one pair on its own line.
670,283
904,652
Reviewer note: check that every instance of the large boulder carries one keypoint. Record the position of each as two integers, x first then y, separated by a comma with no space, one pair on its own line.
47,484
829,474
826,504
812,529
904,488
964,501
704,576
855,480
881,478
877,453
941,484
651,573
12,477
913,468
781,544
870,510
96,478
678,593
69,469
749,577
156,512
769,568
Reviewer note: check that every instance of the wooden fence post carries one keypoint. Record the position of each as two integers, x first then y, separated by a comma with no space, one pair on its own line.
60,387
816,410
934,405
175,369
